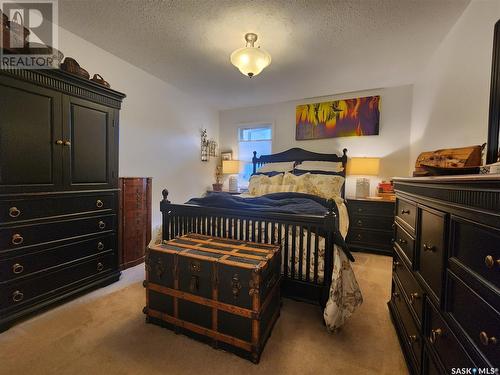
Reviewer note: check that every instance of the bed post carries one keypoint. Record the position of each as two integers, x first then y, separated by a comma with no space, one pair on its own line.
165,213
331,225
254,161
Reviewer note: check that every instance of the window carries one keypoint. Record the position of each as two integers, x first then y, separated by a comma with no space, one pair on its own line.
258,138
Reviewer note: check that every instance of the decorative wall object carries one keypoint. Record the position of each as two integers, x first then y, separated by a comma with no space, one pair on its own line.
338,118
208,146
226,155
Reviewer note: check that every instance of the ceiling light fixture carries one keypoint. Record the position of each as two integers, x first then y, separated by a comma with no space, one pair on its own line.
250,60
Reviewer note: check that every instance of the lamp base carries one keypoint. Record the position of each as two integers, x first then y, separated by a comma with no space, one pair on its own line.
362,188
233,184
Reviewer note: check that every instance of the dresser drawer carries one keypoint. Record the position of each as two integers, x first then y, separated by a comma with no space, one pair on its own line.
377,208
406,212
32,208
371,222
405,243
24,265
477,247
479,320
412,290
370,237
444,342
23,236
16,294
431,250
411,333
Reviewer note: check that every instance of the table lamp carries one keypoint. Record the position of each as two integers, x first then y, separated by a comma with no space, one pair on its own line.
363,167
232,168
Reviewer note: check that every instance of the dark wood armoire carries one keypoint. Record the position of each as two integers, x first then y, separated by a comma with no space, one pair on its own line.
58,189
135,219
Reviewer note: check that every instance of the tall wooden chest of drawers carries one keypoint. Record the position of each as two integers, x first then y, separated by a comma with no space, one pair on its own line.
135,219
371,224
445,300
58,189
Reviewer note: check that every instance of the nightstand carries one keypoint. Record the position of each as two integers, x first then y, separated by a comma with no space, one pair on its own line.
370,225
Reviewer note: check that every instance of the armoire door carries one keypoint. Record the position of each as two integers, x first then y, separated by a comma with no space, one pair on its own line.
88,133
30,137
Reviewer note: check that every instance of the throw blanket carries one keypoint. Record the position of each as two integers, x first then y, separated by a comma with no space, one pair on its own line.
285,203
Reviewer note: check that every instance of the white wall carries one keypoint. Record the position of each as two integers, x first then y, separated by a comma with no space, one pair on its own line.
451,96
159,125
392,143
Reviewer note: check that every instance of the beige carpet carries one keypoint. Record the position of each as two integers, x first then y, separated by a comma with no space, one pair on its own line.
104,333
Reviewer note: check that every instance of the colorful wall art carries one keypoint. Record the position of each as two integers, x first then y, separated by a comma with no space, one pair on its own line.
338,118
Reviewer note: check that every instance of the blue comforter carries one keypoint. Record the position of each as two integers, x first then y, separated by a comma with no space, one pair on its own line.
285,203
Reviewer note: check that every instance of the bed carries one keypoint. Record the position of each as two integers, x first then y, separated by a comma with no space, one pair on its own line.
310,242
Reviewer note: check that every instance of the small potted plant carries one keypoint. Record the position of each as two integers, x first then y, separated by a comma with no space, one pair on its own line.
218,179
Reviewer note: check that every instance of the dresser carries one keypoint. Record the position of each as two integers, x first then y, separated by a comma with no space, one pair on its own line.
58,189
371,224
135,219
445,301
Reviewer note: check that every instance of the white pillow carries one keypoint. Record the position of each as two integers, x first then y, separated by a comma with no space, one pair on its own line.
276,167
326,186
325,166
258,180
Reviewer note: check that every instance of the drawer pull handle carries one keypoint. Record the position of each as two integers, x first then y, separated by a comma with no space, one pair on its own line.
59,142
67,143
413,338
414,297
100,267
430,248
14,212
17,296
99,203
359,223
490,261
485,340
360,210
403,212
402,241
359,237
17,239
395,265
100,246
395,295
435,334
17,268
102,224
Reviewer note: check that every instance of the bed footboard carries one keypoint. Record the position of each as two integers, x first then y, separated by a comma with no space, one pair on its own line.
306,274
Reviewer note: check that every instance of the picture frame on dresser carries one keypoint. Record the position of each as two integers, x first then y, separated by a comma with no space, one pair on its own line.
59,202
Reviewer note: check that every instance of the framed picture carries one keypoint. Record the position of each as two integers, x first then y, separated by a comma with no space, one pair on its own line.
226,155
338,118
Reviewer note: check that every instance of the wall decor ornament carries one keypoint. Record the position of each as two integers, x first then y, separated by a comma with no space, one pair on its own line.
208,146
338,118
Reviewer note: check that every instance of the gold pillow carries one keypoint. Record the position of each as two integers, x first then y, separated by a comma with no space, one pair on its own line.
260,179
302,182
326,186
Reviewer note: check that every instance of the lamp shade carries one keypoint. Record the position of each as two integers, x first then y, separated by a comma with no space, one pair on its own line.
230,166
363,166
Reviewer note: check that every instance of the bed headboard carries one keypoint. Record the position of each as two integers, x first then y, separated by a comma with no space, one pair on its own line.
299,155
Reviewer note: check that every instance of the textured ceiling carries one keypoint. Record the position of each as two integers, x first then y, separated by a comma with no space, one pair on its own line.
318,47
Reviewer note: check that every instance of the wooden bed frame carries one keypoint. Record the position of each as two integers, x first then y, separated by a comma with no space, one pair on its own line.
179,219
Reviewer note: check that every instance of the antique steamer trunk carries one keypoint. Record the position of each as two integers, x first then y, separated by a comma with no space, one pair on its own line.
220,291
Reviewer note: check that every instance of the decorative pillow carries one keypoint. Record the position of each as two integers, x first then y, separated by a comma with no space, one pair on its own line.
326,186
258,180
302,182
268,189
276,167
325,166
